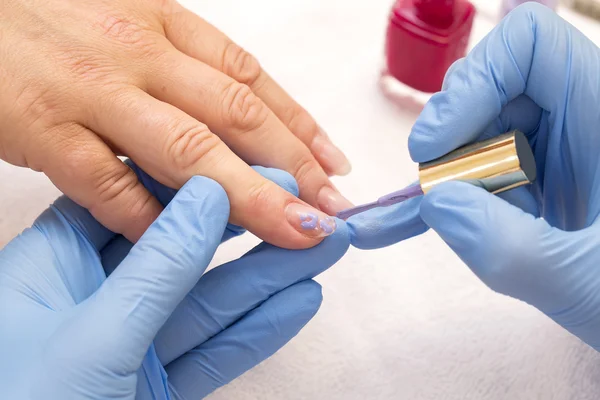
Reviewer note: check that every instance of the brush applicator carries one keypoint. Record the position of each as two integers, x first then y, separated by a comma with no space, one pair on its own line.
496,165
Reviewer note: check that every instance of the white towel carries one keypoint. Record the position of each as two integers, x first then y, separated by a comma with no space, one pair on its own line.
406,322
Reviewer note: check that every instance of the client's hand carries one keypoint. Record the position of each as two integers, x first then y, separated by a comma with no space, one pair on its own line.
156,328
85,81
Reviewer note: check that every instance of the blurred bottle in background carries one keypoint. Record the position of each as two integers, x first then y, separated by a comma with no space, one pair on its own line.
591,8
424,37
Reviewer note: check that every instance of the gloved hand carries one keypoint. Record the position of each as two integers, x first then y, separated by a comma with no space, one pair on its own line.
156,328
541,244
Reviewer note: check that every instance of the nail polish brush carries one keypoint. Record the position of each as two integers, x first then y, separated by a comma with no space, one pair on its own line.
496,165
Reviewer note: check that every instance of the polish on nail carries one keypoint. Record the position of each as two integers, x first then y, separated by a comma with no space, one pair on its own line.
309,221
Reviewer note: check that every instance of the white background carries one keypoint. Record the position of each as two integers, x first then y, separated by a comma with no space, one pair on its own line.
406,322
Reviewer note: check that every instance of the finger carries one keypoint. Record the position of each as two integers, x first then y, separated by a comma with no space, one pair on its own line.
136,300
522,198
519,255
85,169
257,336
523,114
118,248
165,194
172,147
197,38
503,66
244,123
227,293
382,227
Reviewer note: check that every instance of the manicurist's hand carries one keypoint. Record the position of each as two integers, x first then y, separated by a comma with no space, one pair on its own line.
85,81
157,327
541,243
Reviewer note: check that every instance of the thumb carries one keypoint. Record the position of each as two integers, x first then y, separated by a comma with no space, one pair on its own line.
519,255
166,263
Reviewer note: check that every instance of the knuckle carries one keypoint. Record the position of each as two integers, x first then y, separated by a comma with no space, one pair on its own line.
140,35
121,96
304,168
243,109
66,140
122,29
312,296
35,105
191,145
82,63
299,120
112,181
258,200
240,65
165,8
86,65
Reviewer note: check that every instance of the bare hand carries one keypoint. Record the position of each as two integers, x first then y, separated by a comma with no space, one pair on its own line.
83,81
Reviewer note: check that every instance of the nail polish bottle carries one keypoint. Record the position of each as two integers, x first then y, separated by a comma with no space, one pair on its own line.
424,37
591,8
509,5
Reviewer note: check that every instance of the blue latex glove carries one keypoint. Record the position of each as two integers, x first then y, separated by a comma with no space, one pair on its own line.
156,328
536,73
385,226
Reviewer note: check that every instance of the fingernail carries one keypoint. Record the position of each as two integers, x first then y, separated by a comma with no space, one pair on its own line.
331,201
309,221
329,155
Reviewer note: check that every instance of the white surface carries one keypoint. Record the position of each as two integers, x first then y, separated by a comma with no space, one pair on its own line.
406,322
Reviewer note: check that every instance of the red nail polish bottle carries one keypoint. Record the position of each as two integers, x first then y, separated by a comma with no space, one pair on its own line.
424,38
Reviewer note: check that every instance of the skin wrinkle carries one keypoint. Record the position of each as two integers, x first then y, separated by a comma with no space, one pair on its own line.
91,64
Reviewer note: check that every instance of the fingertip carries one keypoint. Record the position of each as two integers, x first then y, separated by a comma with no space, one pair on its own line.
339,241
163,194
311,294
449,192
454,67
419,145
386,226
449,203
528,9
298,303
441,127
200,189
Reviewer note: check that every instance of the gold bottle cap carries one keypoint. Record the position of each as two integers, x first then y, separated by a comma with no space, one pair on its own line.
498,164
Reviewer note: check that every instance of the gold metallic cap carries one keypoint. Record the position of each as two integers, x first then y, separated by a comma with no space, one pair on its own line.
496,165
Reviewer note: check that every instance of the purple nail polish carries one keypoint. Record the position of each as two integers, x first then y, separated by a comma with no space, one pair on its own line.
385,201
308,221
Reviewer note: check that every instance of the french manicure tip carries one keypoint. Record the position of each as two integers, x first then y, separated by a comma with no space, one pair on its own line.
344,169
